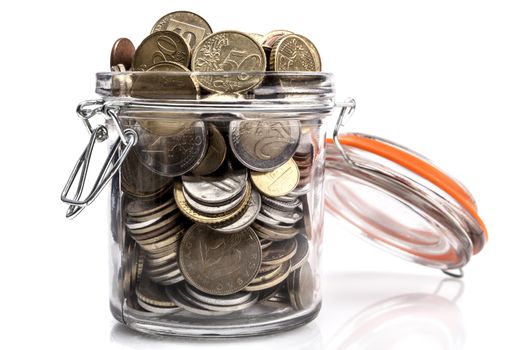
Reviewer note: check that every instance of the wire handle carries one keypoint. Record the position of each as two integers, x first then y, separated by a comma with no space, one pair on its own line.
347,109
112,164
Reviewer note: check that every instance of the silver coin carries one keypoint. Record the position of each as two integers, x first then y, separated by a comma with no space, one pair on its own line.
174,154
286,217
159,224
301,287
174,293
302,253
157,309
215,209
221,308
281,205
270,222
301,190
216,189
275,235
265,243
139,208
281,276
246,219
219,300
155,271
155,215
263,145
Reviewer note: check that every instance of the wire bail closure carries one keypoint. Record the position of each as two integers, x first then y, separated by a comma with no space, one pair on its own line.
347,109
112,164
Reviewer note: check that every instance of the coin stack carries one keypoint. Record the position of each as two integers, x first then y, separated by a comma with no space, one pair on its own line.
215,213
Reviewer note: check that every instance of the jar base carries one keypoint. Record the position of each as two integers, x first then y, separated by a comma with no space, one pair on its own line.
217,327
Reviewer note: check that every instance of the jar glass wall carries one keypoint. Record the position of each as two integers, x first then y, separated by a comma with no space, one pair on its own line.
217,211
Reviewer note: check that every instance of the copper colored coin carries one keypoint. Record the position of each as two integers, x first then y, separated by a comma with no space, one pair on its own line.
122,53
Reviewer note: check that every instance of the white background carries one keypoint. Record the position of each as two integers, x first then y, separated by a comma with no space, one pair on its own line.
443,77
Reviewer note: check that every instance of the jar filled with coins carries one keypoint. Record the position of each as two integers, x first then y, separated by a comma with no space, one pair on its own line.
216,173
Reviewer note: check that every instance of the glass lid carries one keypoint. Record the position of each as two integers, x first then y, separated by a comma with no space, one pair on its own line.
400,201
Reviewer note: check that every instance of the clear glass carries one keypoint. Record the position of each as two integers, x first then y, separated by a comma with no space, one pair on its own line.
217,212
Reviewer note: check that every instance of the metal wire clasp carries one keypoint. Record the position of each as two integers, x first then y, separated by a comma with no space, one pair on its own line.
127,137
347,109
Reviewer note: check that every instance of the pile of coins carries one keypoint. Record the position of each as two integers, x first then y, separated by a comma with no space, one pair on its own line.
215,213
184,42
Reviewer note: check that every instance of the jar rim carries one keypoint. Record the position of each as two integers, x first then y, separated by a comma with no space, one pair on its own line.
286,91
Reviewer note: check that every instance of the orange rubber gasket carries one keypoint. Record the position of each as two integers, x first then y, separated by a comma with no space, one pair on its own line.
417,166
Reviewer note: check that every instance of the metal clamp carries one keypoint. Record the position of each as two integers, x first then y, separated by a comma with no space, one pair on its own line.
347,109
112,164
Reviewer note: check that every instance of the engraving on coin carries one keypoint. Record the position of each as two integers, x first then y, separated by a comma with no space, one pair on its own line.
229,51
264,145
192,27
165,86
161,47
219,264
215,154
294,52
174,154
245,219
278,182
122,53
195,216
220,188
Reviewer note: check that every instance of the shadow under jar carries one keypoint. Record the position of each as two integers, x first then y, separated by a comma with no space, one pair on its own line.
217,210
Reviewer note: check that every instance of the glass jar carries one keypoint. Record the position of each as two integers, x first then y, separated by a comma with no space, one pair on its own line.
217,200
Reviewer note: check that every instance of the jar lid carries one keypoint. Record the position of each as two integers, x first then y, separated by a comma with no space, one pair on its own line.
400,201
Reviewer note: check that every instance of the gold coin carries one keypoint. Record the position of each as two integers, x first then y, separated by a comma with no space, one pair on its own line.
215,154
229,51
177,85
195,216
271,38
192,27
294,53
278,182
161,47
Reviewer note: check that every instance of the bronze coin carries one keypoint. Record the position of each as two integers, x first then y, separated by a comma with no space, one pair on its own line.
229,51
215,154
161,47
219,264
122,53
175,83
295,53
192,27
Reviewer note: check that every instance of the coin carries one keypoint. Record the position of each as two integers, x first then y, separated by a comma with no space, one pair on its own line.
215,154
219,300
212,209
161,47
301,287
152,294
274,234
246,219
281,205
301,255
141,208
174,154
122,53
192,27
281,276
287,217
219,264
220,188
279,252
264,145
253,297
278,182
175,293
229,51
271,37
195,216
294,52
138,181
174,81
